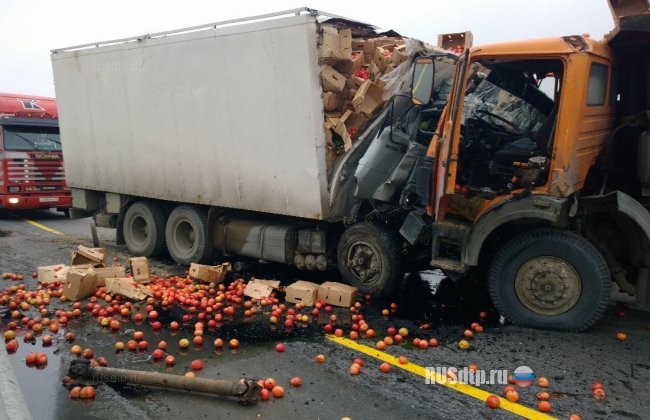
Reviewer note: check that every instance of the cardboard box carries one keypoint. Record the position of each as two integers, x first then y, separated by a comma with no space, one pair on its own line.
352,64
258,288
385,40
330,45
52,273
127,287
368,99
459,41
345,44
333,81
354,122
332,101
342,131
354,82
302,292
80,283
399,55
139,269
337,294
368,47
104,273
209,273
375,72
358,44
84,255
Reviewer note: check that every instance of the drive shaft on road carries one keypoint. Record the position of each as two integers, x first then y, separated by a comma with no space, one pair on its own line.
246,390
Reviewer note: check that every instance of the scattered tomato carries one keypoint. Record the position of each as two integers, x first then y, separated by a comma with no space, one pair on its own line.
265,394
493,401
295,381
385,367
544,406
512,396
277,392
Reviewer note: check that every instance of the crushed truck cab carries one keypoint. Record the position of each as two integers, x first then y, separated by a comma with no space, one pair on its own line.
539,175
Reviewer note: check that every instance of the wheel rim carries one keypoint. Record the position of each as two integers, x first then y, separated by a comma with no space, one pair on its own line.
139,231
184,237
364,262
548,285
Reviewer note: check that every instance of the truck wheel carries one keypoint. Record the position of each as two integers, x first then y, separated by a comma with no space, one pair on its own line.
187,235
369,259
144,229
551,279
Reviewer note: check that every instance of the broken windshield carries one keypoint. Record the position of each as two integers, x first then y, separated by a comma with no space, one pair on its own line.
509,91
44,139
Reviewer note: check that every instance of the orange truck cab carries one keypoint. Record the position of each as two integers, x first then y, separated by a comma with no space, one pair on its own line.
31,159
540,171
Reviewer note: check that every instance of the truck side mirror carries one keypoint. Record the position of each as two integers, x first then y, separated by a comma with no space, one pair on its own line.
424,72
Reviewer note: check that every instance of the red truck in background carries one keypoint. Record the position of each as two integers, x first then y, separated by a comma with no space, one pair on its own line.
31,160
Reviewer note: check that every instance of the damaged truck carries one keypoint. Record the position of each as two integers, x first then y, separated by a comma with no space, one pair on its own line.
318,142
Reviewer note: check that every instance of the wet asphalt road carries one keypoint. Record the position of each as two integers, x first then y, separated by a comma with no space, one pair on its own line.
570,361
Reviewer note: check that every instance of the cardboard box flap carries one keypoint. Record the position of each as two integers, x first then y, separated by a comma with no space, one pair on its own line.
84,255
338,294
275,284
104,273
209,273
302,292
258,289
127,287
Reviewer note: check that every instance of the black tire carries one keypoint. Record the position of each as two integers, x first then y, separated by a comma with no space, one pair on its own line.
379,271
187,235
144,229
551,279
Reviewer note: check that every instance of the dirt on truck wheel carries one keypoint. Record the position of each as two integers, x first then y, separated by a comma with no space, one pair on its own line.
551,279
369,259
144,229
187,235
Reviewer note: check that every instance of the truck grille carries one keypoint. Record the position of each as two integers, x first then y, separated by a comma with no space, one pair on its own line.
31,170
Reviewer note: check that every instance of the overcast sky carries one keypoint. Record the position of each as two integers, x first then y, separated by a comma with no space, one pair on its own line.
29,29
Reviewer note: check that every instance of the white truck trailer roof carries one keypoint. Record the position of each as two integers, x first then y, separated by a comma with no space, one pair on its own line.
227,114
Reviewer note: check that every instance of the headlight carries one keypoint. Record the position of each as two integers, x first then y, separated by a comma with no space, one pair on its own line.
13,200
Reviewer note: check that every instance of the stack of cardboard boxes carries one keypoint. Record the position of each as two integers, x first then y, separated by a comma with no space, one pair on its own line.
351,72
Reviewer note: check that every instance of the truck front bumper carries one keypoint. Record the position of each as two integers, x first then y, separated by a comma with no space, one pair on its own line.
27,202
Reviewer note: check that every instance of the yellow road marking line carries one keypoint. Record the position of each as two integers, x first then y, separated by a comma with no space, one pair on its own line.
466,389
45,228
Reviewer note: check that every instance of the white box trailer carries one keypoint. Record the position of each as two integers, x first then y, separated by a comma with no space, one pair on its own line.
226,116
214,139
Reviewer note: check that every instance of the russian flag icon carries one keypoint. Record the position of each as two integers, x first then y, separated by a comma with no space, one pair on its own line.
523,376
